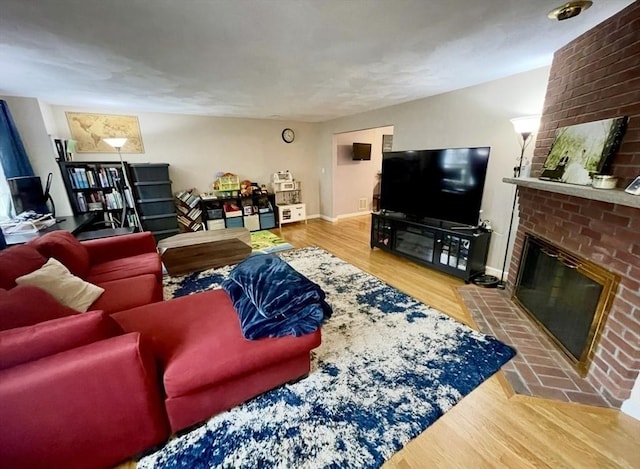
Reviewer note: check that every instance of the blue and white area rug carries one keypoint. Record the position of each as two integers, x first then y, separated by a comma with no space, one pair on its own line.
388,367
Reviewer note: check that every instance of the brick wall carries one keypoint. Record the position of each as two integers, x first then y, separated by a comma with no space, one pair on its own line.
596,76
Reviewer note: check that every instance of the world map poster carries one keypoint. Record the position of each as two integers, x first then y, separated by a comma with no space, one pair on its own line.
89,130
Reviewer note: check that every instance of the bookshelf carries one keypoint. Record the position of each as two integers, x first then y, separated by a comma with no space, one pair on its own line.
189,212
98,187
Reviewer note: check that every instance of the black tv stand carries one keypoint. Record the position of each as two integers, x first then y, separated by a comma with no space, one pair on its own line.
457,250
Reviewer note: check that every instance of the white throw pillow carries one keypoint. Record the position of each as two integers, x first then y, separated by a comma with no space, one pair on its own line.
55,279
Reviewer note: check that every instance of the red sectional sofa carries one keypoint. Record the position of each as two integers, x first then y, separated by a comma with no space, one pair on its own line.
127,267
93,389
208,365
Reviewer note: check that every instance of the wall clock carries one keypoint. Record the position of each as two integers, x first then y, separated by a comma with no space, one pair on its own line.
288,135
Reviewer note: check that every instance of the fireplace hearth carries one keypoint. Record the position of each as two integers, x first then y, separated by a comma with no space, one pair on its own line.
567,296
539,369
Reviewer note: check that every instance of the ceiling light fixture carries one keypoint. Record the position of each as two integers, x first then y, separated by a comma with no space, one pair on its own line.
569,10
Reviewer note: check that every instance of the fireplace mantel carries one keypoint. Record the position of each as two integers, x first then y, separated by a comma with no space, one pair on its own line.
613,196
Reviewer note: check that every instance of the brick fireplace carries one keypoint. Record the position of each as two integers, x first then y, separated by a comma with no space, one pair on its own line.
596,76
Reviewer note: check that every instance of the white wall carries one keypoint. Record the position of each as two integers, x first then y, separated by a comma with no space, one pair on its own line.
197,147
354,180
474,116
632,405
28,118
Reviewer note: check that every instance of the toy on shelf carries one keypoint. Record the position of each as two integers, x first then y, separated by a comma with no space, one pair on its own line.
226,185
246,188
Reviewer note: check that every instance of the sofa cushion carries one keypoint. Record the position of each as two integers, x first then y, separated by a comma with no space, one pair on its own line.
17,261
126,267
199,341
25,305
24,344
128,293
63,246
65,287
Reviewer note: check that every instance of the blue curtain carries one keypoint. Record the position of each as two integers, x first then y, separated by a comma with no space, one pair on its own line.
13,156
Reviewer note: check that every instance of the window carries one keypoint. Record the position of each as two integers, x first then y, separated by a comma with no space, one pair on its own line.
6,205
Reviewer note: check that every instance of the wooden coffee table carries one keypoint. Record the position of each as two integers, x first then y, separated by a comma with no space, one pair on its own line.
201,250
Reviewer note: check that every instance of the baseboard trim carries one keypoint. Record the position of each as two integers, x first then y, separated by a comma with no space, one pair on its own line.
354,214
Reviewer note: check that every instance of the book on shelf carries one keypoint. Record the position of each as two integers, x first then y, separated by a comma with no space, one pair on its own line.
194,213
129,197
185,221
182,209
83,178
82,202
132,220
189,197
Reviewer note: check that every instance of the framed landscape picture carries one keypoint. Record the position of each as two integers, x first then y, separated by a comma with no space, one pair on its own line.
581,150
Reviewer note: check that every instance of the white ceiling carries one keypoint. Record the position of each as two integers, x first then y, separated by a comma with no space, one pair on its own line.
305,60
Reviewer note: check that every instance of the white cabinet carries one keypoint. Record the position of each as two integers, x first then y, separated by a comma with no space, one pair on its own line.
290,207
291,213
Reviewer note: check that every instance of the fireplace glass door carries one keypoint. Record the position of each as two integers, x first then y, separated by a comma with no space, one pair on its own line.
563,294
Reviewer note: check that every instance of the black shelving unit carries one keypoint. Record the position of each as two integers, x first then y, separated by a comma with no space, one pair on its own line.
255,212
99,187
154,198
459,252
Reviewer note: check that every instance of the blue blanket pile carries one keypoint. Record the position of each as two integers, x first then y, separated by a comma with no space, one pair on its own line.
273,299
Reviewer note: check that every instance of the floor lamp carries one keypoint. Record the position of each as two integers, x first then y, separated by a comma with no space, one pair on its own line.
117,143
525,126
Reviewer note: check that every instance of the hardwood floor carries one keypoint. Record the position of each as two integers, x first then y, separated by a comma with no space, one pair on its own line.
491,427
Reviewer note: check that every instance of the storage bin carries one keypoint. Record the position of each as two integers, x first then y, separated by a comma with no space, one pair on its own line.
150,171
154,190
215,213
234,222
156,206
167,221
267,221
252,222
215,224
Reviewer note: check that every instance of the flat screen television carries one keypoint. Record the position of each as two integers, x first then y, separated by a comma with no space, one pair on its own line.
444,184
361,151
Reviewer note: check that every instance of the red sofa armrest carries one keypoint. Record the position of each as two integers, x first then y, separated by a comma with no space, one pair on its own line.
108,249
92,406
